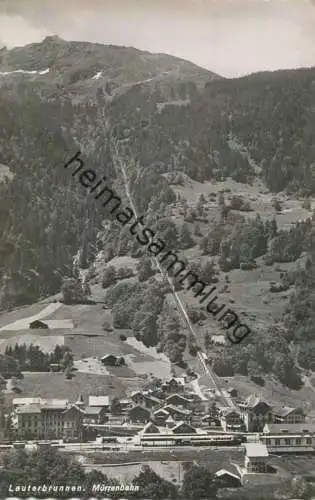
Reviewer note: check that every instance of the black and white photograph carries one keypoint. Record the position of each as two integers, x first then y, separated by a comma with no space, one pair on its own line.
157,249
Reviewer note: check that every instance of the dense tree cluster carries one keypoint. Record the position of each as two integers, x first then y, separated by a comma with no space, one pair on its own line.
30,358
48,466
247,241
267,352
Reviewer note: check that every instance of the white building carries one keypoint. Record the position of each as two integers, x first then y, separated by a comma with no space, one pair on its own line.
256,458
289,438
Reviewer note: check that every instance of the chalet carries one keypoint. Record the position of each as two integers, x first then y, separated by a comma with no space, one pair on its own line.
139,414
95,415
100,401
256,458
112,360
177,400
255,413
177,413
228,478
145,399
231,420
183,428
173,385
288,415
160,416
38,324
289,438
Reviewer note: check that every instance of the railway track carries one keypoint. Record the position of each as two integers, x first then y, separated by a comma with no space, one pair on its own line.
121,169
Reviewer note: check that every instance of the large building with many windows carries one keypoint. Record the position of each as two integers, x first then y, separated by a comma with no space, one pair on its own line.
289,438
49,419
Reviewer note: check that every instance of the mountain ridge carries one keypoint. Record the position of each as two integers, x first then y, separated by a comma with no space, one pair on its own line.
226,138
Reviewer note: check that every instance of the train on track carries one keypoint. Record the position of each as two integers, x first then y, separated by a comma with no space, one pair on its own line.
191,440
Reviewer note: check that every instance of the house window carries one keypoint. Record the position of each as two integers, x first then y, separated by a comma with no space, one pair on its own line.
298,441
308,440
268,441
277,442
287,441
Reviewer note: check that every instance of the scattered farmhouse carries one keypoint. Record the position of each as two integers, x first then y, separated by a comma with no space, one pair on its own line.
112,360
38,324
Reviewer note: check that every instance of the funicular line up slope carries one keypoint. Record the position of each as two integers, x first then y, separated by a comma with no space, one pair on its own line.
118,162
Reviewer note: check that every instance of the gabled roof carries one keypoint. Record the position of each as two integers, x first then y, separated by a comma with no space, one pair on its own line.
160,410
284,411
181,424
146,395
224,472
252,401
99,400
153,398
176,409
73,407
39,323
178,396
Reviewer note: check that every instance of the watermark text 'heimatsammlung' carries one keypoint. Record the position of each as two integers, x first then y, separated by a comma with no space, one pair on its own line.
88,178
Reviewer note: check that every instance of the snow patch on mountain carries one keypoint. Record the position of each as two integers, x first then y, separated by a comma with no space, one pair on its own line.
26,72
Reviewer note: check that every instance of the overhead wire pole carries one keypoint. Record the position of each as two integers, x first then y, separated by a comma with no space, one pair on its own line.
117,159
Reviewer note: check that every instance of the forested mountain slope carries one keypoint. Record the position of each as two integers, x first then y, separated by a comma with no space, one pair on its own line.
173,124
